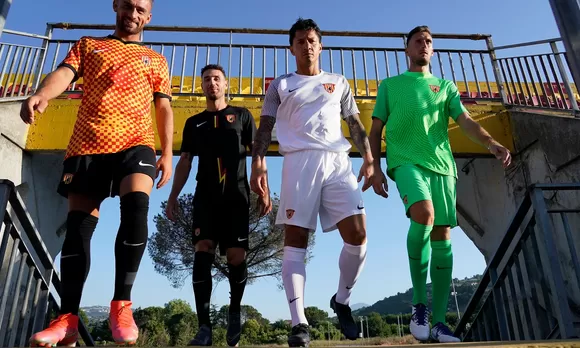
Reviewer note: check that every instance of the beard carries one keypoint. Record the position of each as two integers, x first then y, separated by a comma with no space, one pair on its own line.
131,28
421,62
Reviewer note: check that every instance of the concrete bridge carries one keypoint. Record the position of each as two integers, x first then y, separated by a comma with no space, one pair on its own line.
522,219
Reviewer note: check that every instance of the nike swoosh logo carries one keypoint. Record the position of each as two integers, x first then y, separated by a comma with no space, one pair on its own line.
241,239
292,90
145,164
199,124
294,299
98,51
359,207
133,245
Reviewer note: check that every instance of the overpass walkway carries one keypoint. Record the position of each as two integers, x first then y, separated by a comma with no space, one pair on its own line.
523,298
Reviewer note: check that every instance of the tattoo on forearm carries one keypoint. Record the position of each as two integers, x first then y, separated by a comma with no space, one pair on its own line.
263,137
358,134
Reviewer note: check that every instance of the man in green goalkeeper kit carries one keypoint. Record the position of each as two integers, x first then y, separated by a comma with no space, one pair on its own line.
415,107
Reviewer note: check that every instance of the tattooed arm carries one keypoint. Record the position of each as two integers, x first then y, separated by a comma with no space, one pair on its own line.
262,140
351,114
259,177
359,137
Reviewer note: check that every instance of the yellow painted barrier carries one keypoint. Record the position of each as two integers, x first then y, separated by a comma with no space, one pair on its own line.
52,130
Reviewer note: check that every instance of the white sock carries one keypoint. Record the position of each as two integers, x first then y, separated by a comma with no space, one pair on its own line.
351,262
294,277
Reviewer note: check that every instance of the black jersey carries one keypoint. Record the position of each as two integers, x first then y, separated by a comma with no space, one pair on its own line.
219,139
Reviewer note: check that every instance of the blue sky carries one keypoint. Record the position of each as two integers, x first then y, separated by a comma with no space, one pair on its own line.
386,271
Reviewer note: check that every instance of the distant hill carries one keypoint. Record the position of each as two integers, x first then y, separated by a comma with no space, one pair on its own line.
96,313
358,306
401,302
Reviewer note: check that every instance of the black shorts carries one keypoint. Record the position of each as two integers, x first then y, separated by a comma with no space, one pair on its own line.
99,176
222,218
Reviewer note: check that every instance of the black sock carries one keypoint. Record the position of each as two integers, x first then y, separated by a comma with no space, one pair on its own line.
75,259
130,243
202,263
238,279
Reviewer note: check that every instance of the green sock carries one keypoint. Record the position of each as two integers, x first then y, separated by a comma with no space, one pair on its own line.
441,271
418,252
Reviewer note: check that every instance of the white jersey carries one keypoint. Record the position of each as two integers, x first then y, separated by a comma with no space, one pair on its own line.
308,111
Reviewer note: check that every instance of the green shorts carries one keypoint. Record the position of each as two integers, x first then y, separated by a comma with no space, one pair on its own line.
415,184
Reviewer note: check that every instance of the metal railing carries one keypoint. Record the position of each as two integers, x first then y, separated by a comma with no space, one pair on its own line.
523,295
29,282
539,80
251,67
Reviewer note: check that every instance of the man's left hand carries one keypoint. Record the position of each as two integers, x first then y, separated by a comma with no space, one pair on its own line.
501,153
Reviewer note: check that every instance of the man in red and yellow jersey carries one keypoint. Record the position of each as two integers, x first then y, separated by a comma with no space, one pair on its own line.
110,153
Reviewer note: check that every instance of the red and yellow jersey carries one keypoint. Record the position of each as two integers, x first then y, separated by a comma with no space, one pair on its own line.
120,81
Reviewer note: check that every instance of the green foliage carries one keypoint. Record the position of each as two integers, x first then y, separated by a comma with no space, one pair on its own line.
401,302
175,324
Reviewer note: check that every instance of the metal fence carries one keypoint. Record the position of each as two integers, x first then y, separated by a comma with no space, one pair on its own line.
251,67
522,295
30,285
539,80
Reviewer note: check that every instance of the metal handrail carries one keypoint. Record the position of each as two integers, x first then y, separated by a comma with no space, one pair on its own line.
35,255
490,317
191,29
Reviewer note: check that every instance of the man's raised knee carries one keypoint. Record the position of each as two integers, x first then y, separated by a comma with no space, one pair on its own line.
236,256
422,213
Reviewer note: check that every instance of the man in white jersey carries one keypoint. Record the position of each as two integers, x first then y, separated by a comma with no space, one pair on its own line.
317,176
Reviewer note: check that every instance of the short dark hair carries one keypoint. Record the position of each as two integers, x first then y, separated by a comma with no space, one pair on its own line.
416,30
213,67
304,24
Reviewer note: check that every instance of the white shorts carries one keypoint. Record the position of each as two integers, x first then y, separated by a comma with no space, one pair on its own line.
316,182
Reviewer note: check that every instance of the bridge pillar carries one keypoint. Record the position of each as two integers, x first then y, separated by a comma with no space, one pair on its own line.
35,175
4,8
567,15
546,151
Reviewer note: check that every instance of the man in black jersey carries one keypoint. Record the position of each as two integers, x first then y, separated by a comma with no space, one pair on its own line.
220,136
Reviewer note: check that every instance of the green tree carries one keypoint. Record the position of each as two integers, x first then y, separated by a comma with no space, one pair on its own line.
180,321
84,317
315,316
172,250
251,331
377,326
151,320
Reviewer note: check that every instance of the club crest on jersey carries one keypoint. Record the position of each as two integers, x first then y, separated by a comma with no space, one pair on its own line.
146,60
231,118
67,178
435,88
289,213
329,87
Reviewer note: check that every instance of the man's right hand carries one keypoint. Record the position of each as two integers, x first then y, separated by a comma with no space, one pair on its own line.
172,208
379,183
264,205
30,106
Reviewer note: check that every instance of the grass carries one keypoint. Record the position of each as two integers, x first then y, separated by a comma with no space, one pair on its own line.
373,341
